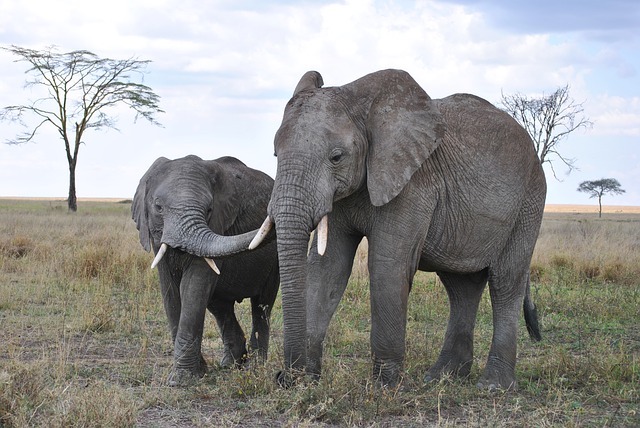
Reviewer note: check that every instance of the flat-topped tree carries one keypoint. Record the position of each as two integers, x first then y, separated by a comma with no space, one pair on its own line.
598,188
79,88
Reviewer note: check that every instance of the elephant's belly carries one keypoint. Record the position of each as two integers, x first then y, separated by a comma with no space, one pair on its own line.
461,255
236,283
448,264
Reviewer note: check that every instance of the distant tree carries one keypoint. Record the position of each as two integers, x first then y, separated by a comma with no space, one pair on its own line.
80,87
548,120
598,188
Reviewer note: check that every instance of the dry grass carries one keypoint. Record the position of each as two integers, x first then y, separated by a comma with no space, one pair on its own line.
85,341
593,208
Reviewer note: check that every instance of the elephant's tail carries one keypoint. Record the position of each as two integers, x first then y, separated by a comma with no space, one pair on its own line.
531,315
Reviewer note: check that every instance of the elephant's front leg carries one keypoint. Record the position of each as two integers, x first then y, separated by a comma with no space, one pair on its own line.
390,286
327,279
195,289
170,289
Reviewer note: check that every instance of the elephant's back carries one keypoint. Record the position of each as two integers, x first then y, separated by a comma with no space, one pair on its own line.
260,178
486,138
252,189
486,164
483,126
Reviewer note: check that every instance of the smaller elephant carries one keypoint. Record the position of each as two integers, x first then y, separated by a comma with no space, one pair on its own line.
176,204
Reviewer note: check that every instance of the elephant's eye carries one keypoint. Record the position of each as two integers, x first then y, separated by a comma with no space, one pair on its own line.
336,156
157,206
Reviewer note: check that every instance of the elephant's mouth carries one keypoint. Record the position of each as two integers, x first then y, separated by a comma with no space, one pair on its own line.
163,249
322,230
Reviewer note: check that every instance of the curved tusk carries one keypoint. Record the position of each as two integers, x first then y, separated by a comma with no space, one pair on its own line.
264,231
161,251
323,232
212,264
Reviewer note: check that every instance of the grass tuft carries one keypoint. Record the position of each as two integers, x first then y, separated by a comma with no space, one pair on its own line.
85,339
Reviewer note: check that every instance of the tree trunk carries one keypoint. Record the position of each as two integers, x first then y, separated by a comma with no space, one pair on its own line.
599,206
72,202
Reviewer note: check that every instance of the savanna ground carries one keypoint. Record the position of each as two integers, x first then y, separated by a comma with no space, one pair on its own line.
84,340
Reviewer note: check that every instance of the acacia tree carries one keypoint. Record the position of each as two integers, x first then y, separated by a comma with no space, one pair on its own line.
598,188
79,88
549,120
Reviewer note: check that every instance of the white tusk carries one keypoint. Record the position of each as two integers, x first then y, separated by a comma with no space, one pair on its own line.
264,231
212,264
322,231
161,251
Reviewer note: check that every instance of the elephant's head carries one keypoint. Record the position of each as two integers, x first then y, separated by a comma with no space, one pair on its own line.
369,135
188,204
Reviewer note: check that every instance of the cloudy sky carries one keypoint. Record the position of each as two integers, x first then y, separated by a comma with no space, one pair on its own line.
225,69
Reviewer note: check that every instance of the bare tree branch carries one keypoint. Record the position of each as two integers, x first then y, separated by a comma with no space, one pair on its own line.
80,88
548,120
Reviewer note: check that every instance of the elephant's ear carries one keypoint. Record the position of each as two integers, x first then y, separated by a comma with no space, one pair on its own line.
226,177
139,206
309,80
404,127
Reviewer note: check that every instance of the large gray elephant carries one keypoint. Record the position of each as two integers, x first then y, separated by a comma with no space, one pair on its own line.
180,204
449,185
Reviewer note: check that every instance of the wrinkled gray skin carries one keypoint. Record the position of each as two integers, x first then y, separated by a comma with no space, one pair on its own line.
450,185
187,201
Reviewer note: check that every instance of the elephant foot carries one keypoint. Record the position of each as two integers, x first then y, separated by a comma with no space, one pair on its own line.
387,374
494,379
288,378
230,362
493,386
284,379
451,367
314,370
183,378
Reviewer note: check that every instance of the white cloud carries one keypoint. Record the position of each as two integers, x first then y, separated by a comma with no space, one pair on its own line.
616,116
225,69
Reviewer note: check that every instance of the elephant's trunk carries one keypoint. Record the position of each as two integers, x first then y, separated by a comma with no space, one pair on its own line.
195,237
296,210
292,253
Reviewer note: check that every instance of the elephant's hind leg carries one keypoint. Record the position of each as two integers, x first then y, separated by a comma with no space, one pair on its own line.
260,314
261,306
507,293
235,348
508,279
456,356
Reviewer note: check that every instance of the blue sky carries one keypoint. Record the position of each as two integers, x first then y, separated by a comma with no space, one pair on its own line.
225,70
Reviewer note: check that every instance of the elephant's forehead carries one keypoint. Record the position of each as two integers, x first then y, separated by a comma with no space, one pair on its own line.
180,170
313,117
311,129
318,103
